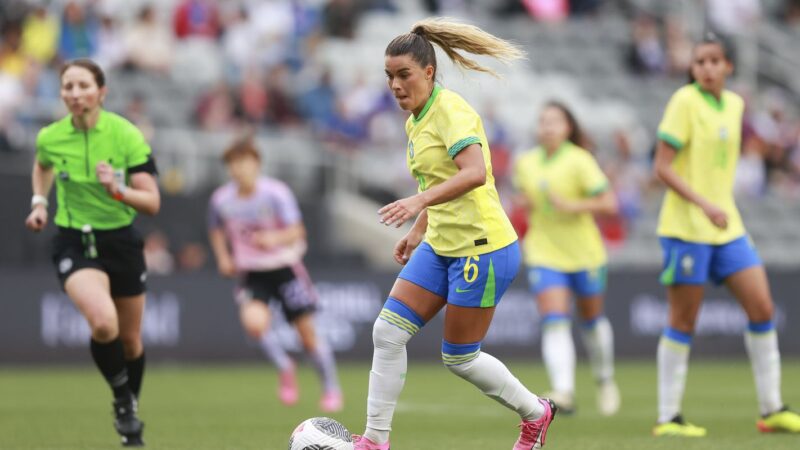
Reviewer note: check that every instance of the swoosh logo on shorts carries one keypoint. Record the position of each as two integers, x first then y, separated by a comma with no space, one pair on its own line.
460,291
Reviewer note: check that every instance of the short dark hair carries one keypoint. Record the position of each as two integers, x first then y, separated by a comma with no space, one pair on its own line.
88,64
241,149
712,38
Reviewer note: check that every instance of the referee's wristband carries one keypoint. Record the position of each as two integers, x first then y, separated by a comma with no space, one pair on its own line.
119,194
39,200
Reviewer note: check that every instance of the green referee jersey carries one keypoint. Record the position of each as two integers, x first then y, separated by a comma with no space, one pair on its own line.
73,154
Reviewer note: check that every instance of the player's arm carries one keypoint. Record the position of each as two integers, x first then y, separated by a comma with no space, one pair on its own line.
405,246
219,246
471,174
290,235
662,166
602,203
142,194
42,177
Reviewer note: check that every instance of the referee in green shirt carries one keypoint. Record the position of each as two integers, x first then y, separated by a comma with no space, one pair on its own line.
104,174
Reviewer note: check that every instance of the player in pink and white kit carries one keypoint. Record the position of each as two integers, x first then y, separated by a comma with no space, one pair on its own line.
257,235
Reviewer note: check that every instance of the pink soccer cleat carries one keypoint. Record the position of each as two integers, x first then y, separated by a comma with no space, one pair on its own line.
533,433
288,392
331,401
362,443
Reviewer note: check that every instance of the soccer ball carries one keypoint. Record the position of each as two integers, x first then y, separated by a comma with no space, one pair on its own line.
320,433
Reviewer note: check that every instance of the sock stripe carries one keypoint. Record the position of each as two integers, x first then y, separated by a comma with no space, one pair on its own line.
590,324
555,319
401,309
399,321
456,354
677,337
760,327
455,360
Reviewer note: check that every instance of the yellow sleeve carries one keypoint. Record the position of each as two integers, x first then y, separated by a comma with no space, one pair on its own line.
593,180
675,127
459,127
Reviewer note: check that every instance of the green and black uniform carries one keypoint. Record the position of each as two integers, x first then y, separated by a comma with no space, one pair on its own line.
112,246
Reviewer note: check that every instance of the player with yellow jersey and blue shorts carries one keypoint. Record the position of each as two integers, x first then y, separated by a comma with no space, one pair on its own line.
704,239
562,186
462,251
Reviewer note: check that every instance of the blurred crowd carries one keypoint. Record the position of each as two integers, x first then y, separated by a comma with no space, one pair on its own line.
255,64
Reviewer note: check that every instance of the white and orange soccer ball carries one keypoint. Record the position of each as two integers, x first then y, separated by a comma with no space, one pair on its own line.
320,433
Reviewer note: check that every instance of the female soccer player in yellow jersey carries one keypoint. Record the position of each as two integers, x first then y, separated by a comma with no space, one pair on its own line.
462,251
703,238
562,186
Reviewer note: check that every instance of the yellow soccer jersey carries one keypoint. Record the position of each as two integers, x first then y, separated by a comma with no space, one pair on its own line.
474,223
557,240
707,134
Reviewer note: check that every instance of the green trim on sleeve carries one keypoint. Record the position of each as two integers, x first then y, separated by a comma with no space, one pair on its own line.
599,189
670,139
462,144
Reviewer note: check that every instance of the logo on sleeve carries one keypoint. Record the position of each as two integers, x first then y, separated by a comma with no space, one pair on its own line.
410,149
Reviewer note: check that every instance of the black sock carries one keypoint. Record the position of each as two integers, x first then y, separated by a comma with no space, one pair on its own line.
110,360
135,374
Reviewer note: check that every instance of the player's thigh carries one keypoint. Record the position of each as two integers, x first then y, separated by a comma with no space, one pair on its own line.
684,304
304,324
553,300
751,288
255,316
130,310
89,290
466,325
423,302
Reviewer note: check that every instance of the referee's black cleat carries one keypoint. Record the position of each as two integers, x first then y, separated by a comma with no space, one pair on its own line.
127,423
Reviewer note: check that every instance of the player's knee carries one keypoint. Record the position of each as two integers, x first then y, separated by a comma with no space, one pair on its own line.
388,336
763,312
459,357
104,326
131,344
396,324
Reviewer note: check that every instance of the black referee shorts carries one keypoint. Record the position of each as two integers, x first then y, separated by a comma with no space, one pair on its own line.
119,254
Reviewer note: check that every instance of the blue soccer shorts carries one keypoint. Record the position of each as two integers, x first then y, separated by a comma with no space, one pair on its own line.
472,281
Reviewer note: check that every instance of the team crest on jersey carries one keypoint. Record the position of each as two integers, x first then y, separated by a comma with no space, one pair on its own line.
410,149
687,265
723,133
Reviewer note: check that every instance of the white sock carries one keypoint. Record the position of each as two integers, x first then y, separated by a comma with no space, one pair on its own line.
274,351
388,375
761,342
494,379
325,363
558,352
673,364
598,337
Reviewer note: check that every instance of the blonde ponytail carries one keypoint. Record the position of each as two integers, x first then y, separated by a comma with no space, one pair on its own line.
450,36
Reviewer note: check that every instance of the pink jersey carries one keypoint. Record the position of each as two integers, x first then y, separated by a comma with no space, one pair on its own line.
271,206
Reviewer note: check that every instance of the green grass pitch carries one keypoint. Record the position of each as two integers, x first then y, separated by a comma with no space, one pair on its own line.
234,407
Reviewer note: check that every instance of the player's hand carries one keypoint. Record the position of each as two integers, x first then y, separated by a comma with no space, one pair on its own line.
716,215
265,240
226,267
399,212
562,205
37,219
405,247
105,175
